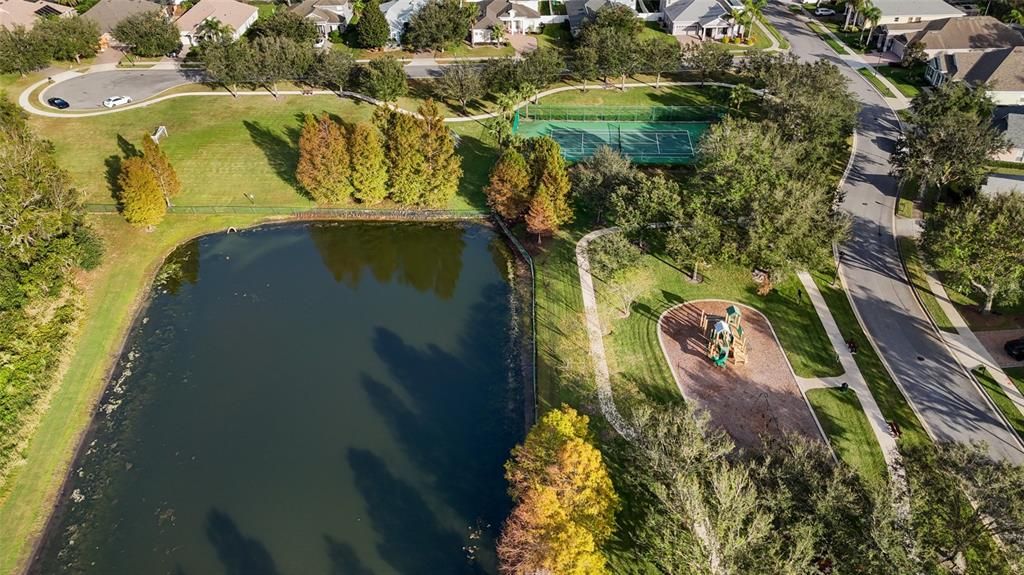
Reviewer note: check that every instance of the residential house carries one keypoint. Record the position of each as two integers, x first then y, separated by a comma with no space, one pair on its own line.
1001,70
398,13
238,16
949,35
579,12
24,13
704,19
107,14
1012,126
514,18
328,15
903,16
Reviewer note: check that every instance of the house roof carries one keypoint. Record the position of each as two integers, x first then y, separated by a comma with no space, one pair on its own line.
398,12
967,33
316,10
702,11
229,12
491,12
579,11
108,13
15,13
1003,69
1012,126
916,8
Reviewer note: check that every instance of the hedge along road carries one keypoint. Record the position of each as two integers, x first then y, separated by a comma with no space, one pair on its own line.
947,400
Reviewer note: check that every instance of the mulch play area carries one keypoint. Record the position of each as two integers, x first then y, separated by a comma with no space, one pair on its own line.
746,398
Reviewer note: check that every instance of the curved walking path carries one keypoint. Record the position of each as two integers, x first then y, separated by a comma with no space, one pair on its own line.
947,400
596,338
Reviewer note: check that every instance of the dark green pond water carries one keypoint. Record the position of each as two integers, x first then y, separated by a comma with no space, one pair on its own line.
317,399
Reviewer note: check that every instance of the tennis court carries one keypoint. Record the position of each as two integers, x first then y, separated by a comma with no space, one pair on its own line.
646,134
642,142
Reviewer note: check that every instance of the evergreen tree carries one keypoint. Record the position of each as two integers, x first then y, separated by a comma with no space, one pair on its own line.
439,24
148,34
508,193
443,165
142,202
163,171
69,38
369,166
403,136
21,51
384,79
372,30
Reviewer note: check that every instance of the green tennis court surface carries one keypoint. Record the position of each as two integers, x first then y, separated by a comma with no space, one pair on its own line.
642,142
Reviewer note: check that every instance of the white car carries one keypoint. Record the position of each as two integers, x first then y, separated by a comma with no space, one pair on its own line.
115,101
824,12
320,43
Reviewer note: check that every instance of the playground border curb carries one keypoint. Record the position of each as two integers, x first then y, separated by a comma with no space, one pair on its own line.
789,364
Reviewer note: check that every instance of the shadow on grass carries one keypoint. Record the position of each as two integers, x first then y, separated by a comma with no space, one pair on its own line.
281,149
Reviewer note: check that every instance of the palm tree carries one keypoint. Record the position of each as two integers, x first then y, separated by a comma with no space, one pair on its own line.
1016,16
498,33
744,19
853,7
213,30
872,14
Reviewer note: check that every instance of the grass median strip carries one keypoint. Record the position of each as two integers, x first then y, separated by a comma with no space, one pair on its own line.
878,84
1002,401
919,281
823,34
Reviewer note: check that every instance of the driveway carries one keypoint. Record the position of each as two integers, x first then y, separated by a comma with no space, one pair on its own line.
89,90
949,402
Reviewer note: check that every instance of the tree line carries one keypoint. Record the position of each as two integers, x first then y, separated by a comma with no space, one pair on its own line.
976,240
23,51
408,159
44,242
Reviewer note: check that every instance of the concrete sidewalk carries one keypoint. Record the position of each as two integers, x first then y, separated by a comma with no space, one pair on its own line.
853,376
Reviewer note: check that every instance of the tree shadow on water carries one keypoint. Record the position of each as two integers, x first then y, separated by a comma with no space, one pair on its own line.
411,539
343,558
280,148
240,555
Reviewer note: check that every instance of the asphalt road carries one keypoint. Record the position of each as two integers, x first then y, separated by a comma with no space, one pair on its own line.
950,403
88,91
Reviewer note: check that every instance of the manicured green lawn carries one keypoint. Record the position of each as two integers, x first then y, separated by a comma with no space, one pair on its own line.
851,38
266,9
224,148
665,96
783,43
554,36
1002,401
820,31
878,84
916,271
1017,376
848,430
908,81
111,294
889,397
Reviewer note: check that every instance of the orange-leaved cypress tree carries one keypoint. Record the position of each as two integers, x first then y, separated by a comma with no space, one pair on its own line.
549,172
142,202
565,502
540,218
508,192
337,174
369,167
403,135
443,165
163,171
309,170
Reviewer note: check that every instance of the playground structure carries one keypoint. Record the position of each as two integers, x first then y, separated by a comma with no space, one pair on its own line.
724,337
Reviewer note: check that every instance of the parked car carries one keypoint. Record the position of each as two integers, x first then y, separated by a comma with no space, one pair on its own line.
1015,348
824,12
59,103
114,101
320,43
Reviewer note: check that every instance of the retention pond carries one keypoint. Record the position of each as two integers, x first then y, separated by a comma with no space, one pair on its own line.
305,399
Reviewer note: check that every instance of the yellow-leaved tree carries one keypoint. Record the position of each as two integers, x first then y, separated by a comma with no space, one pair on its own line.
565,501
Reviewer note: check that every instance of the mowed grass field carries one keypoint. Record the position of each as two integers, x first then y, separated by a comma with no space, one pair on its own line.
226,149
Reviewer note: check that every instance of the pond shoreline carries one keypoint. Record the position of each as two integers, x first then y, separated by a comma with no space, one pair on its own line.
521,322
